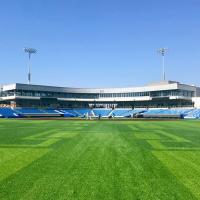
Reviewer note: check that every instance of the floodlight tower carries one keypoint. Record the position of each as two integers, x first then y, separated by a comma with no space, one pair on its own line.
29,51
163,51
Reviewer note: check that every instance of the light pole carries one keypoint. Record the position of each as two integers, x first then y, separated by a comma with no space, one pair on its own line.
29,51
163,51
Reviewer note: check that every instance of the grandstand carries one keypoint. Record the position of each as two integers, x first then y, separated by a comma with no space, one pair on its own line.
33,112
157,100
189,113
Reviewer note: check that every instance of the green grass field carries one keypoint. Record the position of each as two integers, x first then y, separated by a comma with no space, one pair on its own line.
101,160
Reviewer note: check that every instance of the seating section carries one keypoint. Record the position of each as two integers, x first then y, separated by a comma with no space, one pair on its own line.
8,113
126,112
37,112
136,111
76,112
193,114
103,112
167,112
152,112
175,111
83,112
29,111
52,111
69,113
121,112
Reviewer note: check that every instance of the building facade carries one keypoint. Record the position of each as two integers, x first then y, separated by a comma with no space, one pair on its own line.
163,94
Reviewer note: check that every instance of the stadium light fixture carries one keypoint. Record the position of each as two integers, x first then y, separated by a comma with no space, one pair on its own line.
163,51
29,51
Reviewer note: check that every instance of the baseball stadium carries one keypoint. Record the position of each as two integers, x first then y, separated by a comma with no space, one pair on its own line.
99,119
104,143
166,99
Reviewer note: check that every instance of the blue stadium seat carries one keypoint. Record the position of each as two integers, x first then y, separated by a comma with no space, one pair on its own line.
193,114
8,113
167,112
134,112
69,113
153,112
51,111
29,111
83,111
103,112
120,112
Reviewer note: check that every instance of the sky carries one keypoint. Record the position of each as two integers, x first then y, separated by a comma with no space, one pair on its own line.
99,43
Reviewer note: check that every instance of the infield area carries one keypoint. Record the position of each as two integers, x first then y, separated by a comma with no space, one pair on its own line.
99,160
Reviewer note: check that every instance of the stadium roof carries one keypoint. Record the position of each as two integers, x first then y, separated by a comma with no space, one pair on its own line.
166,85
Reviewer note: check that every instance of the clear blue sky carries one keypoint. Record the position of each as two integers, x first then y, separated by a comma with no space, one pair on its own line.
99,43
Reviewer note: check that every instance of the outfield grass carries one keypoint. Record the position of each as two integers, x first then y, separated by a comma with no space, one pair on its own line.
101,160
